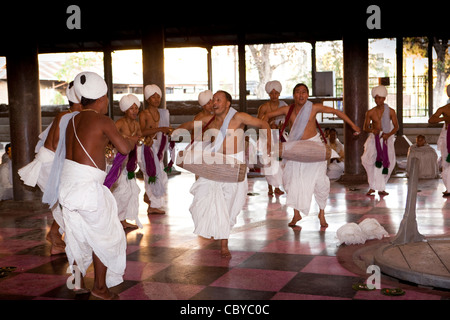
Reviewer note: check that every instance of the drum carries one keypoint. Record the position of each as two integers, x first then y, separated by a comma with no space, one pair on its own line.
212,166
305,151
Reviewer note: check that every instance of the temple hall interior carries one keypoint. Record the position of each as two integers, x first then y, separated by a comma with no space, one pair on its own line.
341,52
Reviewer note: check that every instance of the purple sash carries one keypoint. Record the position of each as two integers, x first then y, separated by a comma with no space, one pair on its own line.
150,159
382,155
116,169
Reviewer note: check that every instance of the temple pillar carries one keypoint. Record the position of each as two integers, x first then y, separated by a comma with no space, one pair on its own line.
153,42
24,112
356,90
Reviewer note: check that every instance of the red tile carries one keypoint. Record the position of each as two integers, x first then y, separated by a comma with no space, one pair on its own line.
326,265
31,284
148,290
254,279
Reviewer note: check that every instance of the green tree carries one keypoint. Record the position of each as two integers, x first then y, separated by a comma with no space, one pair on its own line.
418,46
76,63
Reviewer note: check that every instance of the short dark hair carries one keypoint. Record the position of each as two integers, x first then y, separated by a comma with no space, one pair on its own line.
227,96
85,101
299,85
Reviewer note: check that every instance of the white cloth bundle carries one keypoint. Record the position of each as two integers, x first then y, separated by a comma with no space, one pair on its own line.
372,229
352,233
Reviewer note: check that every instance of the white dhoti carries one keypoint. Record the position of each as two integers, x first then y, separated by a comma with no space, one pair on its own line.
91,221
376,179
37,173
274,172
216,206
302,180
126,192
156,191
442,147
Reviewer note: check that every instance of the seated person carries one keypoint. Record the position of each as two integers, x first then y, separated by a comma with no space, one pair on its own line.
336,165
428,165
6,187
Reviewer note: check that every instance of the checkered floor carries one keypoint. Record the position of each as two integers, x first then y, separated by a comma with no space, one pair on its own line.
271,261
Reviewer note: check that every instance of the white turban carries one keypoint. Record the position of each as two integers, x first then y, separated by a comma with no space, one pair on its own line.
70,93
150,90
127,101
379,91
273,85
204,97
90,85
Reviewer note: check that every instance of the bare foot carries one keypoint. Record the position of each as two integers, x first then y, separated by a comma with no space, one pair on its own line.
146,199
369,193
127,225
323,222
383,193
104,294
81,290
297,217
54,250
58,245
278,191
224,252
151,210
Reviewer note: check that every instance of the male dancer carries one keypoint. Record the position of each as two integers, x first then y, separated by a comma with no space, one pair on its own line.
37,171
216,205
379,152
303,180
154,124
93,230
274,176
443,114
125,190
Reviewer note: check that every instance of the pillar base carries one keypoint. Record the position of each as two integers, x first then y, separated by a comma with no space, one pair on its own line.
347,178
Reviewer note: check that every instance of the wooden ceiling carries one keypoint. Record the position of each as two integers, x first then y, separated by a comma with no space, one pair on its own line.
193,23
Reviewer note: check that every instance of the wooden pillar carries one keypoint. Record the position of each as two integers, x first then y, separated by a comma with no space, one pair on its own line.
242,75
107,66
24,112
402,143
153,42
400,85
209,66
356,89
430,77
313,67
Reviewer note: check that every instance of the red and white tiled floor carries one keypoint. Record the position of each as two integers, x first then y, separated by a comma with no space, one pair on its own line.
165,260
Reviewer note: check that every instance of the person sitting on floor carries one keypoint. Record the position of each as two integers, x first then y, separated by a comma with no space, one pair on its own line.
428,165
335,167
